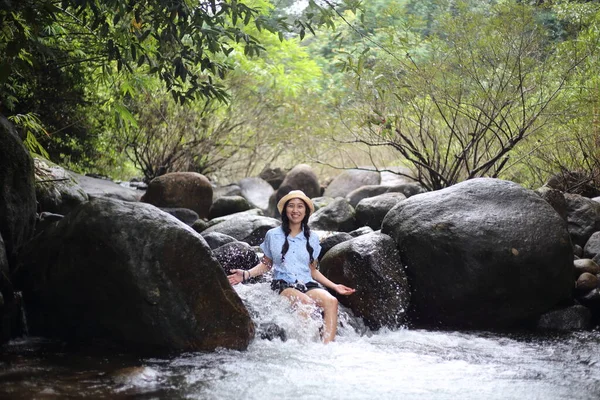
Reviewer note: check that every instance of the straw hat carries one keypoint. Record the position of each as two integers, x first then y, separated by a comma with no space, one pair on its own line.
296,194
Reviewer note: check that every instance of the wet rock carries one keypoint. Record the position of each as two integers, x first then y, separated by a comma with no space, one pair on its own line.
7,311
583,217
97,187
591,298
555,198
320,202
227,205
370,264
181,190
236,255
363,230
577,251
257,191
17,190
56,190
337,216
200,225
229,190
371,211
585,265
350,180
245,227
330,241
484,253
407,189
586,282
185,215
363,192
129,274
271,331
572,318
216,239
301,177
592,246
257,212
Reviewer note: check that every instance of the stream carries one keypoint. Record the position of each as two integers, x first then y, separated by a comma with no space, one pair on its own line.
405,363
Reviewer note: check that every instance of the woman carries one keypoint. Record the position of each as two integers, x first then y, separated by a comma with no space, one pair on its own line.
292,251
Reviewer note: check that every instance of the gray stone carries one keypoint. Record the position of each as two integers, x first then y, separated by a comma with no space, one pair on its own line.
363,192
56,191
484,253
217,239
555,198
407,189
583,217
246,227
363,230
185,215
372,210
236,255
350,180
17,190
95,187
585,265
257,191
130,274
370,264
337,216
332,240
592,246
572,318
227,205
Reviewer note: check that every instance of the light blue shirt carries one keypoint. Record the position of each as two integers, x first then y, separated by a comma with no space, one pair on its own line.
296,266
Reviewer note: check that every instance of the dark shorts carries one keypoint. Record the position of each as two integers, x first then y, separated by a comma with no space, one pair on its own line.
279,285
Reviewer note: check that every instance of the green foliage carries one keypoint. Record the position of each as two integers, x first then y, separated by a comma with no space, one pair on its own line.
31,125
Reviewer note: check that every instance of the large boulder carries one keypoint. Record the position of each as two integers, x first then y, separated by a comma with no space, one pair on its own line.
6,298
217,239
129,274
98,187
370,264
257,191
350,180
371,211
17,190
301,177
245,227
583,217
331,241
393,176
181,189
484,253
227,205
236,255
363,192
56,190
336,216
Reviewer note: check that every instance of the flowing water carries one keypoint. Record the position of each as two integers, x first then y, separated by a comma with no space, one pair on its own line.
406,364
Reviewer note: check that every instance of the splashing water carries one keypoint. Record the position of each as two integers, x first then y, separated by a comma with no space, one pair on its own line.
407,364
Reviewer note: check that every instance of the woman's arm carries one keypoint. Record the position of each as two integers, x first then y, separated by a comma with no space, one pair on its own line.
241,275
323,280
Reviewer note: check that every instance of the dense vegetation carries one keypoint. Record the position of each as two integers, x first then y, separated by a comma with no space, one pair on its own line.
453,89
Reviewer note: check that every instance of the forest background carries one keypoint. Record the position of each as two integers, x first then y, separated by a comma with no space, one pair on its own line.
451,89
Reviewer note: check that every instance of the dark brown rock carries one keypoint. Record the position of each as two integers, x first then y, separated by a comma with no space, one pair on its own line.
181,189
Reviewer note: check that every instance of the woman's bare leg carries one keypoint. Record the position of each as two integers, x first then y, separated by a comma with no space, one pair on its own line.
298,298
329,304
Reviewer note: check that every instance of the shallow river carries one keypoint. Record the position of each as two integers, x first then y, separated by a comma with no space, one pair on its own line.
402,364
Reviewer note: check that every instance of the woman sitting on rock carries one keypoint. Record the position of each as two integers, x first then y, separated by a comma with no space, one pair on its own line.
292,251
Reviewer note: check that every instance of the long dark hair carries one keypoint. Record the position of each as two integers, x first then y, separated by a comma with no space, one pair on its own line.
285,225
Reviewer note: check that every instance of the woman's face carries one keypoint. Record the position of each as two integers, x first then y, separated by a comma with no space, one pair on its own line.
295,210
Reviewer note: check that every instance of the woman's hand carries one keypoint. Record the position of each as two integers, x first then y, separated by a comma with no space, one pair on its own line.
344,290
237,276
